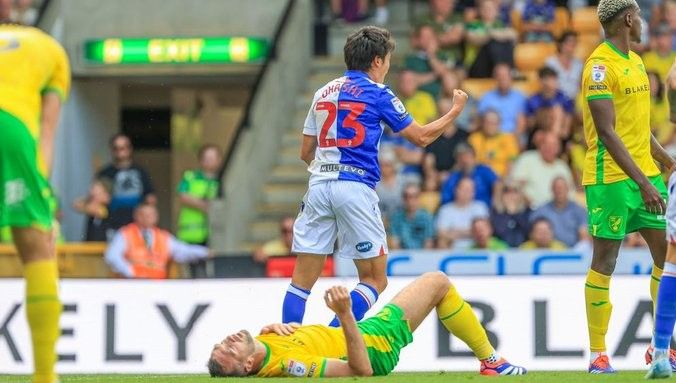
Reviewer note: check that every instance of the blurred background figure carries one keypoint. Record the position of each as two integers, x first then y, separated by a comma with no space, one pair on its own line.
538,21
411,227
566,64
567,218
95,207
280,246
131,184
455,218
196,189
510,215
482,236
494,148
483,177
391,186
142,250
542,237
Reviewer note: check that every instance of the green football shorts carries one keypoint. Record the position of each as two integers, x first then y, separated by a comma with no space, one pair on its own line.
385,335
616,209
24,192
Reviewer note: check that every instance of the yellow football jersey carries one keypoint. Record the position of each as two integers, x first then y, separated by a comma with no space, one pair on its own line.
303,353
31,63
611,74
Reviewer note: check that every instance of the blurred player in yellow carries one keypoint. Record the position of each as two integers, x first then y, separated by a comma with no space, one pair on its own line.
34,81
365,348
624,188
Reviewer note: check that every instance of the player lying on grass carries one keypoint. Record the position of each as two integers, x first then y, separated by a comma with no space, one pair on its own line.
365,348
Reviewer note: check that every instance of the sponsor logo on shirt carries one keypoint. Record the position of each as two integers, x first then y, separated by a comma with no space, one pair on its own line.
296,368
363,247
598,87
598,73
313,368
636,89
398,105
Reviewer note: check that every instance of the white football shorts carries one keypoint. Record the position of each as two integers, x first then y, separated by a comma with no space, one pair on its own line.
344,210
671,210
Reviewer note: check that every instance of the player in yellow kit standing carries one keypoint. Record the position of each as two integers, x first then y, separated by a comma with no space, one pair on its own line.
34,80
625,192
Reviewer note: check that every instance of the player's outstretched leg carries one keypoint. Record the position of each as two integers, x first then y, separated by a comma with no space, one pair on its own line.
665,317
434,290
363,297
43,307
372,281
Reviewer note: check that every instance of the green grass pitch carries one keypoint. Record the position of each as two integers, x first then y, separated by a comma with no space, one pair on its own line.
426,377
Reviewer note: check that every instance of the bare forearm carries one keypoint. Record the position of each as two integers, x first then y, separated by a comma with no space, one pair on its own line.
434,129
659,154
357,358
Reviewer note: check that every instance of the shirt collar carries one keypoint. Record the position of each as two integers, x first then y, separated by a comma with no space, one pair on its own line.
356,73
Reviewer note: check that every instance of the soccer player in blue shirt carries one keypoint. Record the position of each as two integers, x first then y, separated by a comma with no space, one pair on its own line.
339,213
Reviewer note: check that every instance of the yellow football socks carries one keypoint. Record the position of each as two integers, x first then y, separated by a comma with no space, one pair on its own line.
597,301
43,309
459,319
655,278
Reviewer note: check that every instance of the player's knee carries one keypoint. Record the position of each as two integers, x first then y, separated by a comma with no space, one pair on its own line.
439,278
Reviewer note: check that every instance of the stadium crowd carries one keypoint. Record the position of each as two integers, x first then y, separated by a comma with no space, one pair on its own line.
508,173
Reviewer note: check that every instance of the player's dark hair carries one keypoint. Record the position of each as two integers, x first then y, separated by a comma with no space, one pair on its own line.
215,369
363,46
538,220
546,71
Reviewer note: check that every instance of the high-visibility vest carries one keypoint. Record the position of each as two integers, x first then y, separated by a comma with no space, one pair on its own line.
193,224
147,262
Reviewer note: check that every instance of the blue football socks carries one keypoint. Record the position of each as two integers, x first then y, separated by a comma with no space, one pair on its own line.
293,308
363,297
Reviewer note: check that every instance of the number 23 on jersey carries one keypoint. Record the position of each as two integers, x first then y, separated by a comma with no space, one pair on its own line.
349,122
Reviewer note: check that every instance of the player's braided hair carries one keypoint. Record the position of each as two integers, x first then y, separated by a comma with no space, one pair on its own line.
364,45
608,9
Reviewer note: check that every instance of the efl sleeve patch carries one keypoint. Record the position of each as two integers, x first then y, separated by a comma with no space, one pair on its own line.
598,73
296,368
398,105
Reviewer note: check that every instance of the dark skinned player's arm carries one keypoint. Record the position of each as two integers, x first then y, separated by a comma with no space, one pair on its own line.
603,114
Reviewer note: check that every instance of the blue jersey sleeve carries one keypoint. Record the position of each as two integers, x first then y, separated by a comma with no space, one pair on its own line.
392,111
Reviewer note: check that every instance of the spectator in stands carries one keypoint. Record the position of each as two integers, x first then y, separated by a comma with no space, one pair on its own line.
662,56
425,60
410,156
142,250
449,29
669,16
350,11
482,236
196,189
567,218
391,186
538,21
484,177
420,105
566,65
24,12
542,237
488,42
494,148
411,227
440,155
95,208
430,198
507,101
549,109
454,219
510,215
466,119
278,247
130,182
534,170
660,124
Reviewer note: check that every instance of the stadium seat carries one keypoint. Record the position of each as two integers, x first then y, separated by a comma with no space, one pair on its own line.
531,56
586,44
528,87
476,87
586,21
561,21
282,267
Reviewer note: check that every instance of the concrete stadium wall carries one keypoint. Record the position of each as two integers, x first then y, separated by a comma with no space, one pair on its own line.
271,113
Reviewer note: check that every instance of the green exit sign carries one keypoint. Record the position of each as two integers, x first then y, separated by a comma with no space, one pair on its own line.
193,50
